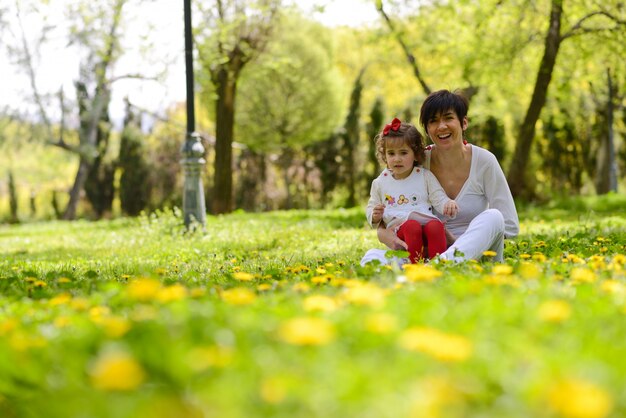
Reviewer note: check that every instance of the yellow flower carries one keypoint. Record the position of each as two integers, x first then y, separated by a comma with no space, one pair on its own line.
574,398
320,270
8,325
172,293
540,258
239,296
60,299
437,344
307,331
197,292
529,271
40,284
62,321
264,287
524,256
489,253
319,303
273,390
203,358
613,287
321,279
619,259
582,275
243,277
143,289
421,273
79,304
63,280
367,294
502,269
554,311
115,326
161,271
301,287
381,323
98,312
116,371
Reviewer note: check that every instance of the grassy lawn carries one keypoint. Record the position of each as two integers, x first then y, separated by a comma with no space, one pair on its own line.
270,315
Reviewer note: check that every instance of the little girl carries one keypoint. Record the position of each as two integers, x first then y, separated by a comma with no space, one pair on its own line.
404,193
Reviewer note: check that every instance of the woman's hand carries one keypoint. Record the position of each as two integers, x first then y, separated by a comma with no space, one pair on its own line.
390,239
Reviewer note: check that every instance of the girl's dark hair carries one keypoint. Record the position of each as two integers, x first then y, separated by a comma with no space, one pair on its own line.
442,101
408,134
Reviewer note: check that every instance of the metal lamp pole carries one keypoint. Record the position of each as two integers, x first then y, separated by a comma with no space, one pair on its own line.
194,208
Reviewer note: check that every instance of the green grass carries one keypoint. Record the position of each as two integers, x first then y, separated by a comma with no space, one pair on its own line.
137,318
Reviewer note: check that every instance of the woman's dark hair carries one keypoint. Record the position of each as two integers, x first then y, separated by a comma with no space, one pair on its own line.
442,101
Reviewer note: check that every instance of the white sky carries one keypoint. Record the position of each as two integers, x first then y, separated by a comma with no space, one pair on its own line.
59,66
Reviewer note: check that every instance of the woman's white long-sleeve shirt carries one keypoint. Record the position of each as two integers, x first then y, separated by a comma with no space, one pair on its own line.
485,188
415,196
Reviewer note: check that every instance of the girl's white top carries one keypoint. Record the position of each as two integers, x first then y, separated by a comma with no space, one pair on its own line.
413,196
486,187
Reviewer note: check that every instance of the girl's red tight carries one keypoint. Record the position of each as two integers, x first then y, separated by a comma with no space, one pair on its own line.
416,235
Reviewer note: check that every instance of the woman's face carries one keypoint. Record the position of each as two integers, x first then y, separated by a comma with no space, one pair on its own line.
445,128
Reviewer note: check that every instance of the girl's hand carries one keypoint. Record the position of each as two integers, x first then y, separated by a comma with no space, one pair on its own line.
390,239
450,209
377,213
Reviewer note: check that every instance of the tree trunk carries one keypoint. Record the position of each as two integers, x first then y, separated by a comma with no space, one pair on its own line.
224,127
606,172
79,183
351,138
519,163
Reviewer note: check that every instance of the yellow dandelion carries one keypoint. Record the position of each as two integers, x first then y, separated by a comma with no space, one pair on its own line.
365,295
213,356
116,371
161,271
172,293
63,280
79,304
239,296
263,287
437,344
381,323
420,273
301,287
524,256
489,253
30,279
582,275
143,289
619,259
321,279
115,326
61,321
319,303
502,269
540,258
307,331
98,312
574,398
243,277
197,292
320,270
60,299
613,287
21,341
8,325
529,270
436,396
273,390
554,311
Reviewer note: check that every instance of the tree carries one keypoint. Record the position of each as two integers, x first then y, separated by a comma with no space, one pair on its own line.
292,95
232,34
552,42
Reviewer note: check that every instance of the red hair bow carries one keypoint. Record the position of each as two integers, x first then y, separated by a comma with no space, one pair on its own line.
394,126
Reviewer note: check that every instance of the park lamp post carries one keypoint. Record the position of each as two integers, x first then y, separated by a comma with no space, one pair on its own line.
192,151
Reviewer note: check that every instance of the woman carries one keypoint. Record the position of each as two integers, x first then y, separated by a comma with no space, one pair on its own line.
471,176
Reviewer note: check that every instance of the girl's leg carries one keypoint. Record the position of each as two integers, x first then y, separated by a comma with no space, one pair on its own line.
485,232
411,233
435,238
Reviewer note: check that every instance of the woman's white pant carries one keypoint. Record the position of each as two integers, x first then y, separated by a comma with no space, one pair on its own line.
485,232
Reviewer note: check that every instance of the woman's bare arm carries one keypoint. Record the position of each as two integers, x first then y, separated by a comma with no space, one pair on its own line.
389,238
